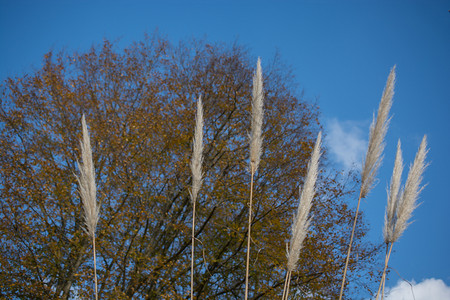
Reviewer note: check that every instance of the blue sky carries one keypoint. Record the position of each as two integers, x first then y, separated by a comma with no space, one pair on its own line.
341,53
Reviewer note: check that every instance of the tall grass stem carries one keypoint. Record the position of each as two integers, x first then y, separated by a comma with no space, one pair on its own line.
196,168
301,221
88,192
374,157
401,205
383,277
247,262
255,151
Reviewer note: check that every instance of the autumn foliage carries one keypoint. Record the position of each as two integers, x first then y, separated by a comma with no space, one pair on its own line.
140,108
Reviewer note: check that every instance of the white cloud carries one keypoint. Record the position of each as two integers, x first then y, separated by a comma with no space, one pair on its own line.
346,142
428,289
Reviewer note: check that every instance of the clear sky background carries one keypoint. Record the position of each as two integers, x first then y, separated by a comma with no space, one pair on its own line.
341,53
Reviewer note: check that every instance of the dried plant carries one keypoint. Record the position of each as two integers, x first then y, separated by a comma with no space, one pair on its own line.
88,192
378,129
196,168
393,196
301,221
255,150
401,205
257,118
408,200
374,157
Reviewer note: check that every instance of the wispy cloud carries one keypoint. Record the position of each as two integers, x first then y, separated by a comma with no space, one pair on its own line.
346,142
428,289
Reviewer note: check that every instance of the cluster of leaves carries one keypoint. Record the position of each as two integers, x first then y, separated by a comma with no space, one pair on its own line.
139,105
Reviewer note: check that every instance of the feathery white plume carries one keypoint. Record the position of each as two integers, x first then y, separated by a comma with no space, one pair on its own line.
197,158
301,220
378,130
257,118
255,151
411,192
374,156
86,181
401,206
393,197
196,168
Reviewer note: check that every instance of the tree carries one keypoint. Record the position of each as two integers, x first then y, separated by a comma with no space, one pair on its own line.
139,104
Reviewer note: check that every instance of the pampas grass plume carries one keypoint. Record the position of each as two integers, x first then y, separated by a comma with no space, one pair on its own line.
197,158
88,192
301,220
401,205
408,200
393,197
257,118
196,168
374,157
86,181
378,129
255,151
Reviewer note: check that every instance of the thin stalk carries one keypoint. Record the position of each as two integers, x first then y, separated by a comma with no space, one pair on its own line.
374,156
196,168
300,225
95,268
255,150
88,191
350,245
247,264
285,285
385,268
382,276
288,284
192,252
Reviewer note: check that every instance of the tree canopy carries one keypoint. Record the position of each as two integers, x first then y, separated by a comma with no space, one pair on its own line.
139,104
